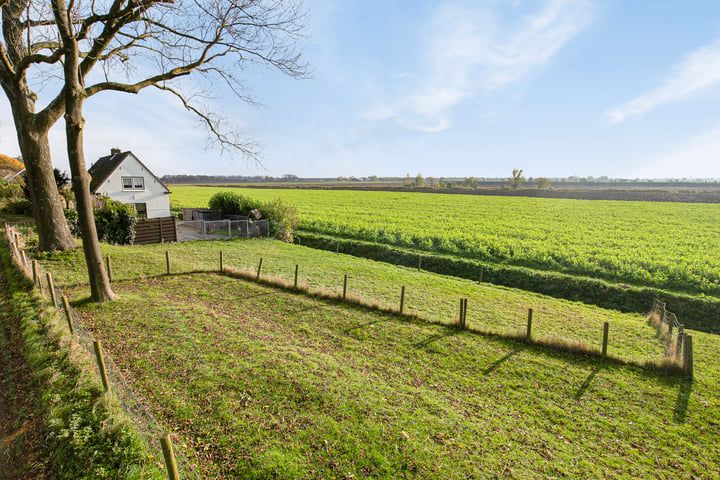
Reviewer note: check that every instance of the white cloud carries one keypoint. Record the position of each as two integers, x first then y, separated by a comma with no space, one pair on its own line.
699,70
474,49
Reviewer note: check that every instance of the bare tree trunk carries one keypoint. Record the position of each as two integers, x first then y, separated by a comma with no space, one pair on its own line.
52,228
100,290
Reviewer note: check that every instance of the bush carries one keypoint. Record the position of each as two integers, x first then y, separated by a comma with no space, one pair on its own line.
10,190
115,222
282,217
19,207
71,217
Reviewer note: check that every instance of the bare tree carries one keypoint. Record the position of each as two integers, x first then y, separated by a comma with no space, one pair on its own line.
517,178
136,44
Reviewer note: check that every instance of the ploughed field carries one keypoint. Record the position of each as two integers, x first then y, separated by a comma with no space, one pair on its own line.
671,246
259,382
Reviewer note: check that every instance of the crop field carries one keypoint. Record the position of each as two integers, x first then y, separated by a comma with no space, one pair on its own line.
671,246
258,382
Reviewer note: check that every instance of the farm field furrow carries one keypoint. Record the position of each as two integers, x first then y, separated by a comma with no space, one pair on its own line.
666,245
258,382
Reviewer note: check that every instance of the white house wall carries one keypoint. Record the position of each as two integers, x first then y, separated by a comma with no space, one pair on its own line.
155,195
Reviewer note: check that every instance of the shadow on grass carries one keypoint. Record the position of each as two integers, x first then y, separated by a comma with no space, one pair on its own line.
502,360
681,403
367,324
435,338
588,380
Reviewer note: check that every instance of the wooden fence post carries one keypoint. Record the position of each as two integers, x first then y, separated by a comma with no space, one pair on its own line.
24,259
51,287
528,335
167,261
419,263
688,357
221,261
101,365
345,288
108,267
36,275
169,455
482,271
606,331
464,322
259,270
680,341
402,299
297,267
68,315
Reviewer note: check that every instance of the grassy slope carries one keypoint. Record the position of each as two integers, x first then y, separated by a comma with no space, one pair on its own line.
295,387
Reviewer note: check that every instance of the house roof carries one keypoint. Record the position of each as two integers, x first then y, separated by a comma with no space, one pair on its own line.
105,166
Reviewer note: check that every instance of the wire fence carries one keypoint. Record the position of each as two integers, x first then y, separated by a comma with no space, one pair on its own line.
670,328
188,230
131,402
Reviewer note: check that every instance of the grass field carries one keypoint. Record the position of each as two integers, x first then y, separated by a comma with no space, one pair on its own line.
666,245
291,386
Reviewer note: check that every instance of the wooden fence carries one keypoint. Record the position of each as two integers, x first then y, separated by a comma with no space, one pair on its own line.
155,230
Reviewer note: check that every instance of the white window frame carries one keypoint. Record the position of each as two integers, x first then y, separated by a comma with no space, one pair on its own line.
136,183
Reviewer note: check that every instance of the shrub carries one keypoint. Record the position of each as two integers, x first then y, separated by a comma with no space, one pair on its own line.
71,217
282,217
10,190
19,207
115,221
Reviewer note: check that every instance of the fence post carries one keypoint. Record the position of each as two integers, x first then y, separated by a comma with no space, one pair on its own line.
419,263
51,287
688,357
259,270
402,299
108,267
606,331
101,365
671,324
24,259
229,232
167,261
528,335
679,345
482,271
464,322
170,463
221,261
35,272
337,247
297,267
68,315
345,288
460,313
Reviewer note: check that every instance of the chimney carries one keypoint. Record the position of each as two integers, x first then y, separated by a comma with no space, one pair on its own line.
114,151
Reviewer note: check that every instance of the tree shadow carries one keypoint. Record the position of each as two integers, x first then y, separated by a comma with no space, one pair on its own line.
502,360
435,338
588,380
681,403
366,324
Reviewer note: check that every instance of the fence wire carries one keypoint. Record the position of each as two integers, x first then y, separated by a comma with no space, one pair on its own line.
131,402
188,230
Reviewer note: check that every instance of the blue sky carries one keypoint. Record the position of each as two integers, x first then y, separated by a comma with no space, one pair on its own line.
619,88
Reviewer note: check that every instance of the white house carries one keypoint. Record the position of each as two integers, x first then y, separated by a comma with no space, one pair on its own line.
122,177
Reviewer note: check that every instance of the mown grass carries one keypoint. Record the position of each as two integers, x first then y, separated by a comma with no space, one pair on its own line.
263,383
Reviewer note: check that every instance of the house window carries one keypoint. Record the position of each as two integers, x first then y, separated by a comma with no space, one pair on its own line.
133,183
141,210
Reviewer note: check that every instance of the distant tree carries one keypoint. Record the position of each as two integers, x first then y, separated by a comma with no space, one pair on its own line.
542,182
441,182
408,181
419,180
373,178
450,184
517,179
431,182
470,182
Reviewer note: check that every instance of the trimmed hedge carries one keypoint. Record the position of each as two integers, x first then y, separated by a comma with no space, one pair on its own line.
696,312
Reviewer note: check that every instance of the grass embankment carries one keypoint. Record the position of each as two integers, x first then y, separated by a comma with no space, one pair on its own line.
57,422
264,383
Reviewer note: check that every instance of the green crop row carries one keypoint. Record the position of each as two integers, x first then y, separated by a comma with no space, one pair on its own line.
670,246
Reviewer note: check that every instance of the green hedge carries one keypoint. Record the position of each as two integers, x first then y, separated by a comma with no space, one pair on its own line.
696,312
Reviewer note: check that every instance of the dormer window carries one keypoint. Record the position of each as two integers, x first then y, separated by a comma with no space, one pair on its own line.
133,183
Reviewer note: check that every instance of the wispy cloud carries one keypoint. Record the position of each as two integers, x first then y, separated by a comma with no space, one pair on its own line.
698,71
695,157
475,49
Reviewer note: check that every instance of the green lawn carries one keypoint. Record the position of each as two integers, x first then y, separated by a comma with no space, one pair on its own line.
259,382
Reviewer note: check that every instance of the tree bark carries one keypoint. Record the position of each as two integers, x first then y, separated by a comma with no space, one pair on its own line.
74,93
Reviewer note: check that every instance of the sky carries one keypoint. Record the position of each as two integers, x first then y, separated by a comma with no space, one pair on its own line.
558,88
